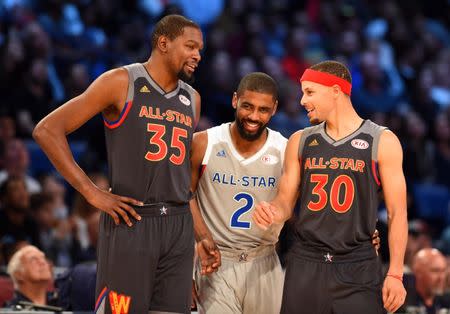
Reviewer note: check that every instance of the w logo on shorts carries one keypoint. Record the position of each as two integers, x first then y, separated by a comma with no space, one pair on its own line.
120,303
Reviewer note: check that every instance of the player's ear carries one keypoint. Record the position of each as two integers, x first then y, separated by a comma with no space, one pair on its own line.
162,43
336,90
234,101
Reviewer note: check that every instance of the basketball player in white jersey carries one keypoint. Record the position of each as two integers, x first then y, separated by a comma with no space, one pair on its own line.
234,166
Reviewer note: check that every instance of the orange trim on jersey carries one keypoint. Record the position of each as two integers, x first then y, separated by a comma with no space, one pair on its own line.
375,172
122,116
101,296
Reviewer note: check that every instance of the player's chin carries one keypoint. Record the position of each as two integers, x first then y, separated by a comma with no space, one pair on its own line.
314,121
186,76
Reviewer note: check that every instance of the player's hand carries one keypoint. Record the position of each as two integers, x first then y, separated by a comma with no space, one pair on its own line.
394,294
209,254
376,240
115,205
264,215
194,295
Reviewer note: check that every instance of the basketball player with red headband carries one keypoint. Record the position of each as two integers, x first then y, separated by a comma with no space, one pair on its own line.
337,167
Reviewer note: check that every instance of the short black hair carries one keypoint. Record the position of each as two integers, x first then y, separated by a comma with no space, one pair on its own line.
258,82
171,26
333,67
38,200
4,186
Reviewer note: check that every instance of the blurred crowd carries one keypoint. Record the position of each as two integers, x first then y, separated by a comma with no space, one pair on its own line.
50,51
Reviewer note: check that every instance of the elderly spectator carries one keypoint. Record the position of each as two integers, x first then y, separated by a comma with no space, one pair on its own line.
32,276
426,289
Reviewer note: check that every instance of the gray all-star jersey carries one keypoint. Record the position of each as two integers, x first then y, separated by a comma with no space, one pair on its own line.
149,144
339,188
230,186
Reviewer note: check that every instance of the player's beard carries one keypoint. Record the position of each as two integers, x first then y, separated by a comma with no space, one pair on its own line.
189,79
247,135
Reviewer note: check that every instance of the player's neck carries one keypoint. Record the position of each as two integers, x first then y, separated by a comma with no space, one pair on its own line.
161,74
342,121
244,147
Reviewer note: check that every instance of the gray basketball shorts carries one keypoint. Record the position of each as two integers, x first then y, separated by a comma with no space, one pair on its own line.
146,267
324,282
248,282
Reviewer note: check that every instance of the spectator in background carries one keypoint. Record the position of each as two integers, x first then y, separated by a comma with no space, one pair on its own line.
294,63
12,68
374,94
34,98
16,161
426,288
16,224
54,187
55,235
421,99
417,149
83,214
7,129
440,91
442,148
419,238
32,277
289,119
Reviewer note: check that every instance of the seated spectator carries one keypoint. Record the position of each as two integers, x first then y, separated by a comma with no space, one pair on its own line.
82,214
419,238
375,93
32,276
55,234
76,287
16,161
16,223
425,290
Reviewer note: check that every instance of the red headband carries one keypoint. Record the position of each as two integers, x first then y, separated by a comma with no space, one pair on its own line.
326,79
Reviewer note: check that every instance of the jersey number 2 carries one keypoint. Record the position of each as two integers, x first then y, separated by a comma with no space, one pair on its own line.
340,182
249,201
159,131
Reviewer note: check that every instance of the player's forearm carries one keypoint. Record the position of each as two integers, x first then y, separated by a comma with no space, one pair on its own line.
398,236
201,230
284,207
58,152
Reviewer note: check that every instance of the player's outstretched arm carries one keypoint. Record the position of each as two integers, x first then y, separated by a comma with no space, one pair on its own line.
107,91
390,158
280,208
207,250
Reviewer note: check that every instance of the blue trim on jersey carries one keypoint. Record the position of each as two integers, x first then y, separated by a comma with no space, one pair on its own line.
124,109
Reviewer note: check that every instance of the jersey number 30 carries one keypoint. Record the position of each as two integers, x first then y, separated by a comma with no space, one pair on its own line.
342,184
248,204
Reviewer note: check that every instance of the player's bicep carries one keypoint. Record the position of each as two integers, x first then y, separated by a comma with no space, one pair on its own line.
199,144
290,179
390,158
106,90
198,108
